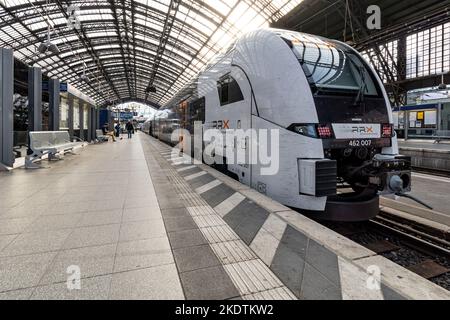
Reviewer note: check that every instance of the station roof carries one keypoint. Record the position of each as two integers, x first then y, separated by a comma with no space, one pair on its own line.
126,47
328,18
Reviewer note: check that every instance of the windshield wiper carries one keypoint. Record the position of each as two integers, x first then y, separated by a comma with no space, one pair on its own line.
362,88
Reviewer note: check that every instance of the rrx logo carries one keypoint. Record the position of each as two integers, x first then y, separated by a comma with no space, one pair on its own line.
362,129
222,124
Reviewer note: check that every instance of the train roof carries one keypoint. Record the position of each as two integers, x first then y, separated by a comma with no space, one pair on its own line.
258,34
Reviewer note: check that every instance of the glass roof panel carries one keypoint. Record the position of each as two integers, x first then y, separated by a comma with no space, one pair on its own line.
136,36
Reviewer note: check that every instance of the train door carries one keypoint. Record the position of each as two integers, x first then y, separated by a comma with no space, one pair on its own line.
196,120
235,105
183,118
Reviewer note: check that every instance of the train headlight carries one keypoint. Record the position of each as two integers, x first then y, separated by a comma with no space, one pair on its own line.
308,130
313,130
388,131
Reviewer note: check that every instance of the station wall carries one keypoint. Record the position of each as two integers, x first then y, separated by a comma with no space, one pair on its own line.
31,101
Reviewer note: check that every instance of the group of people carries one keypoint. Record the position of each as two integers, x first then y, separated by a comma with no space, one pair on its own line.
129,127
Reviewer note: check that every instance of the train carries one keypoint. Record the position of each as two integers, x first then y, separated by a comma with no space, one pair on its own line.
338,151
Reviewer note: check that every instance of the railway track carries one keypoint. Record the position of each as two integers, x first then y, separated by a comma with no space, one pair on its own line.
433,172
419,248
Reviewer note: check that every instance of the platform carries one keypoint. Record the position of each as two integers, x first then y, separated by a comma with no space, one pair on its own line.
426,154
139,223
433,190
425,144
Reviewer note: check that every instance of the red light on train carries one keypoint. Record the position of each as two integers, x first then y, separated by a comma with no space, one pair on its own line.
325,131
387,131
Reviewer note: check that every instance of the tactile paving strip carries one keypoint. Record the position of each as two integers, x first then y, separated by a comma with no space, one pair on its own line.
232,252
253,276
253,279
219,234
201,211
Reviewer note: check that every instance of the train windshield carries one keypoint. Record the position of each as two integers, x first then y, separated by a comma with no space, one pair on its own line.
332,67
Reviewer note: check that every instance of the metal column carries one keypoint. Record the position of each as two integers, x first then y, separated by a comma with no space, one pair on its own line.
406,124
34,99
54,99
89,122
439,116
110,120
94,122
6,108
70,102
81,117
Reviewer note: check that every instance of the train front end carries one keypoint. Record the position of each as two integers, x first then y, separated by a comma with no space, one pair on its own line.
355,125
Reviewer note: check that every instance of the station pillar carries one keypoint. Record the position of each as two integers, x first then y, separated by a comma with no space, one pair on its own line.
90,126
70,102
98,125
406,124
6,108
81,117
34,99
54,100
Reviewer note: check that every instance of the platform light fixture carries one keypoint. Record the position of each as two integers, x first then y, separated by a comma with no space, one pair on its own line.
443,86
151,89
48,45
84,77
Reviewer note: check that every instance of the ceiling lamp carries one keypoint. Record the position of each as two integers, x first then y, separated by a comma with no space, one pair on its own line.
48,46
443,86
84,77
151,89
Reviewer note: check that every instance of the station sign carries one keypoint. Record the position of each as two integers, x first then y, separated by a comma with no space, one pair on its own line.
63,87
123,115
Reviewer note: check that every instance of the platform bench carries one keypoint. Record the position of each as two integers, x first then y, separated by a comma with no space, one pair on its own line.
100,136
49,143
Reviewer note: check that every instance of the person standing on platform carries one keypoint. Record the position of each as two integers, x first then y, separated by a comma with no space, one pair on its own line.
130,129
117,128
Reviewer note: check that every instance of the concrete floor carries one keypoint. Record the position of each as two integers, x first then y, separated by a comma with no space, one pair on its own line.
98,211
131,225
433,190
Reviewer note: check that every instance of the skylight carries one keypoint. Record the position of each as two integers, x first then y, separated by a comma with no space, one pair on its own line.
132,34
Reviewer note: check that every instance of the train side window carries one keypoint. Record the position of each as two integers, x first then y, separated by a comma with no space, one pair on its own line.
197,110
229,90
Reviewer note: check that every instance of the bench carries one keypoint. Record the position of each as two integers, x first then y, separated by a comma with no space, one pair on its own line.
20,143
440,135
100,136
49,143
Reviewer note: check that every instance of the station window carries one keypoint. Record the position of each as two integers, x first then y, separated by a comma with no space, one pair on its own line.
427,52
85,117
76,114
64,113
229,90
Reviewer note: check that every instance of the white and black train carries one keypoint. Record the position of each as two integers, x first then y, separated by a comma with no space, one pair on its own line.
338,149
